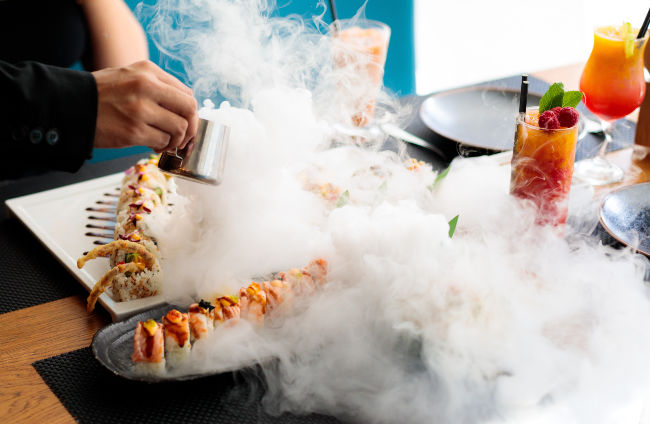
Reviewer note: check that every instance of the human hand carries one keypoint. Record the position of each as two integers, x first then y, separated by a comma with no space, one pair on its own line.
141,104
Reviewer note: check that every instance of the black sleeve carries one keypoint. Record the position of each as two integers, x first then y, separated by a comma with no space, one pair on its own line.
47,118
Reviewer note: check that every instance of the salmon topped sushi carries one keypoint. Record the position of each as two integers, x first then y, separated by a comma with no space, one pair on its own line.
177,336
155,345
276,291
201,319
226,308
148,348
318,271
299,280
253,303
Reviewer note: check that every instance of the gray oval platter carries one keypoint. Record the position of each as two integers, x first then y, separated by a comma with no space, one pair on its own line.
625,214
481,117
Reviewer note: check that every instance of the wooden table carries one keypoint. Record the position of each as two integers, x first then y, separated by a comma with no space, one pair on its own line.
53,328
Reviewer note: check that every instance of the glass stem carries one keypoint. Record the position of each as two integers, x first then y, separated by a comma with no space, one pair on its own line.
607,131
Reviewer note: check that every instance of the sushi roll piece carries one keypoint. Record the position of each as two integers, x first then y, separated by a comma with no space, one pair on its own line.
176,327
277,292
148,348
201,319
226,309
299,281
318,271
253,303
139,271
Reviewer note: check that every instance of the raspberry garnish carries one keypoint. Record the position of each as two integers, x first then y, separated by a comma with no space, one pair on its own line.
556,110
568,117
548,120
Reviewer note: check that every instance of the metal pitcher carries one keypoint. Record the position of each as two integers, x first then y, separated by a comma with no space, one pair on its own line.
203,159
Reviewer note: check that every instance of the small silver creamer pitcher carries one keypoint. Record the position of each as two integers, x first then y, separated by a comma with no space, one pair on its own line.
204,157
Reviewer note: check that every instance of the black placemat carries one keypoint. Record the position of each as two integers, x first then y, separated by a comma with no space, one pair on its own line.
29,274
623,130
91,394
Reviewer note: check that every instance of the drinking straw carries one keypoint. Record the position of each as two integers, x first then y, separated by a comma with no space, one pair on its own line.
523,96
335,19
644,27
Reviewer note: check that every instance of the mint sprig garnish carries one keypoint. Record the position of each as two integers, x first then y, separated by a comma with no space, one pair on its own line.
555,96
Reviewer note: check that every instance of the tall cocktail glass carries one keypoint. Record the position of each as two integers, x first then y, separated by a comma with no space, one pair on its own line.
542,166
360,47
614,86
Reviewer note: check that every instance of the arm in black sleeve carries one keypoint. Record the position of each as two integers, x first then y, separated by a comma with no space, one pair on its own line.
47,117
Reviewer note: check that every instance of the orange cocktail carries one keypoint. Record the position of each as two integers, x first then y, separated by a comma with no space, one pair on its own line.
360,48
542,166
612,80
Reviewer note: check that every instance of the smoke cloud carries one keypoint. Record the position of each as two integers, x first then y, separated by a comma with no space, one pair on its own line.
504,322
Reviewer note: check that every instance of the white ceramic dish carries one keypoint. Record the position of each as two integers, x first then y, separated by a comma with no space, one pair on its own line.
58,218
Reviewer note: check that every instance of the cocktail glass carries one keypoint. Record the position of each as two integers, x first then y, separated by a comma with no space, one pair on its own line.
360,47
542,166
614,86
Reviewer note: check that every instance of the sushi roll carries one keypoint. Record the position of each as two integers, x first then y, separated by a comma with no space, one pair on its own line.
253,303
176,327
143,195
155,345
148,348
201,319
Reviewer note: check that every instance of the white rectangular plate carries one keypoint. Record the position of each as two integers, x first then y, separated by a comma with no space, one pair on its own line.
58,219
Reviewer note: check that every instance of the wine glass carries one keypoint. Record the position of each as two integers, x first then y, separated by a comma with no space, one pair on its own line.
614,86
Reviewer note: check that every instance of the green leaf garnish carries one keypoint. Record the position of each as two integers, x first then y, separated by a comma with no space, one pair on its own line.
343,199
158,191
552,98
557,97
441,176
130,257
452,226
571,99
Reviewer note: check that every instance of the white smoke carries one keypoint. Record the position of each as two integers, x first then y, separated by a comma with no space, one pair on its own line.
504,322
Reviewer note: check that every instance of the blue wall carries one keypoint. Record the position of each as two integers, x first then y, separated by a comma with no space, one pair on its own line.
400,63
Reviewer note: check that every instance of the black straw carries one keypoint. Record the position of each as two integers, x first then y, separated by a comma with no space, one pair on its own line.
335,19
644,27
523,96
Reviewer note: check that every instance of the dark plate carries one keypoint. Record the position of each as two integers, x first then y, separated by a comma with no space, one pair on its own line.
113,346
479,117
625,214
